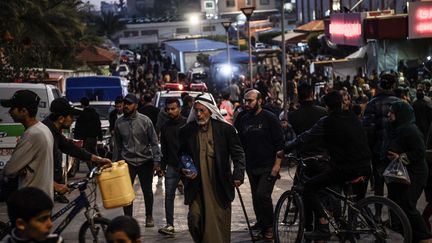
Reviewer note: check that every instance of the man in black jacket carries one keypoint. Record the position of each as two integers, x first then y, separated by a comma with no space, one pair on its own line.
350,155
88,128
61,117
116,113
211,143
377,126
170,162
302,120
306,116
262,136
148,109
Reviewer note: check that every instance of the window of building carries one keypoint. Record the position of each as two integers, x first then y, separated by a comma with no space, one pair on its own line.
230,3
130,33
149,32
182,30
265,2
209,28
248,2
208,5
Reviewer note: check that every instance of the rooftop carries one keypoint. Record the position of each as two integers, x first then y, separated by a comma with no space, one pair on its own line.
195,45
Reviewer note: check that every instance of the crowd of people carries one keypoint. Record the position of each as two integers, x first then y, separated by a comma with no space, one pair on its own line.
359,125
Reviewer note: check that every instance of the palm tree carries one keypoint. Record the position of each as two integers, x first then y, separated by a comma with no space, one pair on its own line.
108,24
43,33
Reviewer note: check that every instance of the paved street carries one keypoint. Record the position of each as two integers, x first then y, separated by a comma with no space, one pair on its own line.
238,228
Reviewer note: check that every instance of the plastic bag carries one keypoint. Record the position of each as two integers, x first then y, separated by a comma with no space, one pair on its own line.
396,172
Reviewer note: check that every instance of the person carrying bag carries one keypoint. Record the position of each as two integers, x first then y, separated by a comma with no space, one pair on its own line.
407,181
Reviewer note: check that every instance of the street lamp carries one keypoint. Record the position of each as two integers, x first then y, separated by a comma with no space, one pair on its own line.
248,13
226,25
284,81
195,20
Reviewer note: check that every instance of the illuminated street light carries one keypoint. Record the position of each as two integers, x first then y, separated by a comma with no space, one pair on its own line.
194,19
248,13
226,25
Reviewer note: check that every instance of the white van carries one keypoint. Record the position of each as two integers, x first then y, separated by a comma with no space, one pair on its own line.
11,131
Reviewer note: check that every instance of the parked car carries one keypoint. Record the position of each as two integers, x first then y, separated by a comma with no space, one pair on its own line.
123,70
127,56
260,45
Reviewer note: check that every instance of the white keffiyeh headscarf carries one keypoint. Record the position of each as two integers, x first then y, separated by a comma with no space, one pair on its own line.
208,101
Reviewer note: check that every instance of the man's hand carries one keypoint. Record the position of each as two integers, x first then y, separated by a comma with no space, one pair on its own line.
158,171
275,170
100,160
392,155
237,183
189,174
280,154
60,188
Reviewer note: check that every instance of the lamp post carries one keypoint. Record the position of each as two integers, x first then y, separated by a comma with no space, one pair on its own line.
226,25
284,81
248,13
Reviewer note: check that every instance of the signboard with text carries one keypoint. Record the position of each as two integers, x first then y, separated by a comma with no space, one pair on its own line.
346,29
419,20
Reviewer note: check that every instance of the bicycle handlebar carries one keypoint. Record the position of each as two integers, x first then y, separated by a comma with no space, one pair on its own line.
92,174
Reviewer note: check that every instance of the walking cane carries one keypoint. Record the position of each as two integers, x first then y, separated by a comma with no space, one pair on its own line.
244,211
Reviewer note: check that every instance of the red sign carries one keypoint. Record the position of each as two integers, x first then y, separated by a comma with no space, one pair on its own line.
419,20
346,29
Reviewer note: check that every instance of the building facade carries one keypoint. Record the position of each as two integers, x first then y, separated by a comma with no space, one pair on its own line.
308,10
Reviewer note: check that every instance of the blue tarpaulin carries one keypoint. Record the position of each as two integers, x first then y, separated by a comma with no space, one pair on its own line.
235,56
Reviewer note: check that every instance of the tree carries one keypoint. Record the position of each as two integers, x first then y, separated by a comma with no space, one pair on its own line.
108,24
41,34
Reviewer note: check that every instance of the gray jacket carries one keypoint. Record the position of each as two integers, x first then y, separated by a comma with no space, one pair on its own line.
136,140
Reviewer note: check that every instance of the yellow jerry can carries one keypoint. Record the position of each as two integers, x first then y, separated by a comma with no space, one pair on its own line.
115,186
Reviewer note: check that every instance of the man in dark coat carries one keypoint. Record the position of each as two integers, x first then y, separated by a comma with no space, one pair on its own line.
61,117
116,113
262,136
88,128
377,128
148,109
211,143
349,160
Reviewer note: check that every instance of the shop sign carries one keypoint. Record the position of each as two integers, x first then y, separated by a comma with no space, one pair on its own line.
346,28
419,20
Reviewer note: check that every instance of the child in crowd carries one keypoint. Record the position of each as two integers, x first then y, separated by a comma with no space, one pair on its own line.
29,210
123,229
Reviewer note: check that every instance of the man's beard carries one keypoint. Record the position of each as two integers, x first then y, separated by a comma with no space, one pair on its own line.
253,110
128,113
202,123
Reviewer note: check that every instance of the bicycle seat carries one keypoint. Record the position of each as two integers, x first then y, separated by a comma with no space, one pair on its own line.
357,180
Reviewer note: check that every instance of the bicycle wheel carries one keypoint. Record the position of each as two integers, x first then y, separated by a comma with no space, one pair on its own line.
288,223
95,233
388,224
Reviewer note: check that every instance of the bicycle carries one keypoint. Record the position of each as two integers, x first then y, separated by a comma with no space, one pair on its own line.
372,219
95,225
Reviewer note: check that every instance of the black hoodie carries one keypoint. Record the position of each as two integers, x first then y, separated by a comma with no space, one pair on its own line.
170,141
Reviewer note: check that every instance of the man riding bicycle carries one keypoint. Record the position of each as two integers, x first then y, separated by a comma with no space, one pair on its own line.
346,143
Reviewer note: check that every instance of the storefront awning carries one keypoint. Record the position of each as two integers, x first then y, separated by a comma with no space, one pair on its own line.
313,26
360,54
291,37
330,62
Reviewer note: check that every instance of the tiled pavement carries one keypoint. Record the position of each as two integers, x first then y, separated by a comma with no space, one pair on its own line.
239,231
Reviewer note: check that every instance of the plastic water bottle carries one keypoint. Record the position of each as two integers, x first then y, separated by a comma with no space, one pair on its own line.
188,165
